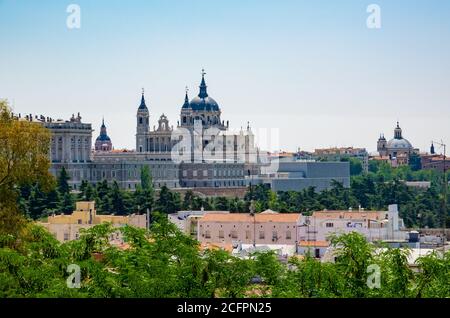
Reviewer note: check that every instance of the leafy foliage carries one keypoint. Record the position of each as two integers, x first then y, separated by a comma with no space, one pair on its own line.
163,262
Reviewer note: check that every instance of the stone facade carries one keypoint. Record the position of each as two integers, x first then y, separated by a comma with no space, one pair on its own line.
199,152
262,228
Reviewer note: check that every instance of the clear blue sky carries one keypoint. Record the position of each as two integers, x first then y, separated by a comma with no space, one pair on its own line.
310,68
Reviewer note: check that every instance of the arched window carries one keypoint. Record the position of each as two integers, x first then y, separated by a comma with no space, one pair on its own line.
140,120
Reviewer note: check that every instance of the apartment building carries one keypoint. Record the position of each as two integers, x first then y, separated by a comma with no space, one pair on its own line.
266,228
67,227
374,225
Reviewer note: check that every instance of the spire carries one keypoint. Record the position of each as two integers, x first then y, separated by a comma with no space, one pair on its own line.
142,106
203,93
103,128
186,99
432,149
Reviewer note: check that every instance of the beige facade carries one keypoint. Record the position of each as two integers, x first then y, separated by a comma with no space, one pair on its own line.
308,232
67,227
263,228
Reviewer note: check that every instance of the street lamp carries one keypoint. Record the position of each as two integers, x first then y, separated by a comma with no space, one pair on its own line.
444,203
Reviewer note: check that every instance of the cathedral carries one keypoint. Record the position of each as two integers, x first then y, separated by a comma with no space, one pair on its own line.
200,151
397,149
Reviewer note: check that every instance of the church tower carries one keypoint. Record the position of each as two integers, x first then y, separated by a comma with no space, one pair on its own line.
382,146
103,142
398,132
142,126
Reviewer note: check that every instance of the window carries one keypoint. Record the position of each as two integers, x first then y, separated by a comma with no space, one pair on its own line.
234,234
66,236
247,235
288,235
208,234
205,173
80,221
274,236
221,235
261,235
329,225
194,173
317,253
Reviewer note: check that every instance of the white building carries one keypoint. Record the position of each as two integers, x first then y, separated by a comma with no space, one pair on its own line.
374,225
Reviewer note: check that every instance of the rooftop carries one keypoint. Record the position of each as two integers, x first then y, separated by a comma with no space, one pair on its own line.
247,217
374,215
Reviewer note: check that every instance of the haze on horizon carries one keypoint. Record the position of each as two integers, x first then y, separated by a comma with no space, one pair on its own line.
311,69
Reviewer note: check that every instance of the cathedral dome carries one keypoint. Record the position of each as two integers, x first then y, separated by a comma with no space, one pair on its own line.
103,138
399,144
103,142
204,104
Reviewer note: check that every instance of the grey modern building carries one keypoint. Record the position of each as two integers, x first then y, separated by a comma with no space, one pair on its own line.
298,175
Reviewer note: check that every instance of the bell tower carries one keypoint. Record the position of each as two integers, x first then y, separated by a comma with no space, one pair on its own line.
142,126
382,146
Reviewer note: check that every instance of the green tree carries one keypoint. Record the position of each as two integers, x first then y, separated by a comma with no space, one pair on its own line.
63,182
353,257
67,203
168,202
24,160
146,178
117,200
188,200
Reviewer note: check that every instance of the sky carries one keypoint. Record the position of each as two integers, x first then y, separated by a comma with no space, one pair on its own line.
311,70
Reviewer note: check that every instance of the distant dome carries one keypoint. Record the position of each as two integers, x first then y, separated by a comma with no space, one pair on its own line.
399,144
204,104
103,138
103,142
